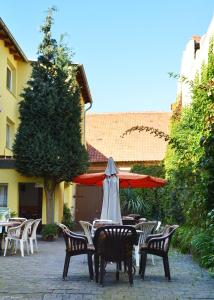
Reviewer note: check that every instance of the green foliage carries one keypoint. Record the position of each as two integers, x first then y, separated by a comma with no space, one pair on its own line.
67,217
189,166
13,214
50,232
182,238
48,141
146,202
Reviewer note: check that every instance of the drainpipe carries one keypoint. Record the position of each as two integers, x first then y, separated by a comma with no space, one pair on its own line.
85,115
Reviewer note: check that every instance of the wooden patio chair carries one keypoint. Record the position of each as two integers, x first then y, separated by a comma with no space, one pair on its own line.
76,244
157,244
114,243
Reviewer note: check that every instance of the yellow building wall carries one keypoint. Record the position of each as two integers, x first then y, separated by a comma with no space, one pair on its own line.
13,178
9,111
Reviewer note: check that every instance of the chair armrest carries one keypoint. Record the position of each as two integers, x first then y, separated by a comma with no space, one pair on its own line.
14,232
77,237
159,243
151,236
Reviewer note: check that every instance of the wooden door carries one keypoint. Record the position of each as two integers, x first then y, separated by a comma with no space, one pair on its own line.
30,201
88,202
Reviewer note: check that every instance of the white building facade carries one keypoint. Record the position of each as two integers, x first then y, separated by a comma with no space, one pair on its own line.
194,55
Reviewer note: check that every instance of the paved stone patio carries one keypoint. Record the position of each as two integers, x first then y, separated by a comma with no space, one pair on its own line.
39,276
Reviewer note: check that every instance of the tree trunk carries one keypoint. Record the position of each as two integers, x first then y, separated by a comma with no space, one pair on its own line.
49,186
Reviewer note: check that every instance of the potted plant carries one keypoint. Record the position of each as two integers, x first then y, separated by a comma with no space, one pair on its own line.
50,232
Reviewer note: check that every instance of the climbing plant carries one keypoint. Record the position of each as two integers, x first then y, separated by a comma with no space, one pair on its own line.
189,165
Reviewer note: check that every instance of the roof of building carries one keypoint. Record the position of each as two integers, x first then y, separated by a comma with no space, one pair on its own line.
83,83
11,43
95,155
18,54
104,131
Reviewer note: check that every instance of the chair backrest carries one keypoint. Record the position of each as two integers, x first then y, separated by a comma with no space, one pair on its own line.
162,242
115,243
26,226
63,227
127,220
168,233
87,228
146,228
102,222
135,216
34,227
4,214
75,243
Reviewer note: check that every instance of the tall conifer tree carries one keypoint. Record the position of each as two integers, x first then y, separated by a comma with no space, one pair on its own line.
48,140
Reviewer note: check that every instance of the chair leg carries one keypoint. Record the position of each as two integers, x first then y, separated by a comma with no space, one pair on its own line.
90,266
118,268
143,264
102,270
5,246
140,264
66,265
37,249
125,266
22,247
130,270
31,245
15,245
96,267
27,246
153,260
166,267
137,258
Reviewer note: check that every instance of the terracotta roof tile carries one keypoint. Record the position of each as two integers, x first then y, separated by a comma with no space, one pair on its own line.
104,131
95,155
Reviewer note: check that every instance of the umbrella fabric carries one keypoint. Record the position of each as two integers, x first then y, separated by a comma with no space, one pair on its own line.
126,180
111,198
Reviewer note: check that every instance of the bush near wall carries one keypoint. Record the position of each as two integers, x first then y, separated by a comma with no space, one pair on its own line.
189,166
146,202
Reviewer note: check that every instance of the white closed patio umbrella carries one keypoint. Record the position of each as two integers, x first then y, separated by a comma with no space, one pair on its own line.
111,198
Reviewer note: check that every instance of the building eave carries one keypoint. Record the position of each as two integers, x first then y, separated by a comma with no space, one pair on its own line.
11,43
83,82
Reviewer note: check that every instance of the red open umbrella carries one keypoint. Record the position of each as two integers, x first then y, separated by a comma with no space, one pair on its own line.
126,180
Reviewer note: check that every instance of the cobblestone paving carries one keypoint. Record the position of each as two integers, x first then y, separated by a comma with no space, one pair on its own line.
39,276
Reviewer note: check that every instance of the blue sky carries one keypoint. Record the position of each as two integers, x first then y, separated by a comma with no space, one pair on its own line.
126,47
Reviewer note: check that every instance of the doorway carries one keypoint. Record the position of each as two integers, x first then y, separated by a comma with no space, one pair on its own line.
30,201
88,203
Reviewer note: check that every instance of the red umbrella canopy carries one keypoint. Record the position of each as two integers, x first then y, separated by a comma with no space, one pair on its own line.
126,180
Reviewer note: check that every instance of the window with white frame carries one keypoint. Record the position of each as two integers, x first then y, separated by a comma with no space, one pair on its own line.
9,133
9,79
8,136
3,195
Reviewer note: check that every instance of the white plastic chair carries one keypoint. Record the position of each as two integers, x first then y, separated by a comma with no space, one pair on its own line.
32,235
87,228
145,229
18,234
